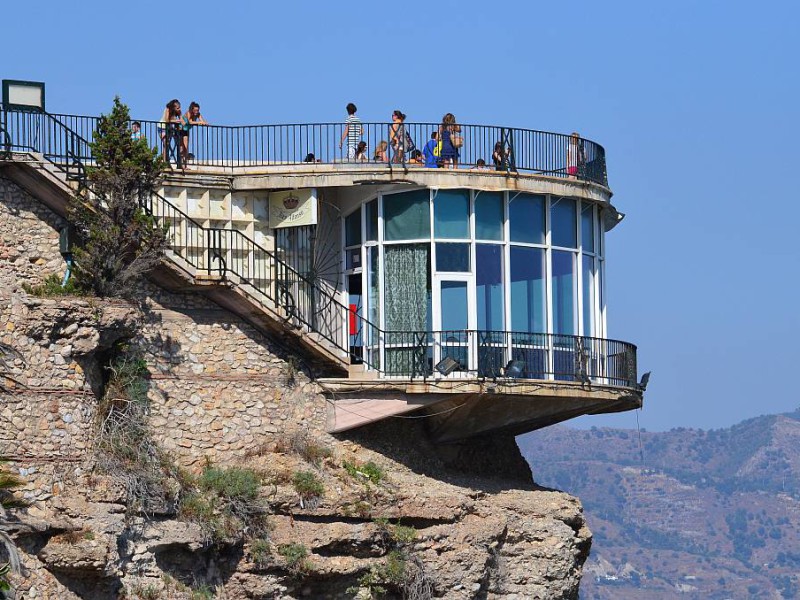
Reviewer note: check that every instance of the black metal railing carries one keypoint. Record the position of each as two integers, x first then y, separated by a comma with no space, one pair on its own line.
527,150
315,306
506,354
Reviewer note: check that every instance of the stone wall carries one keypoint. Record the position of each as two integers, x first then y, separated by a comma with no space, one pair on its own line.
28,238
218,387
223,392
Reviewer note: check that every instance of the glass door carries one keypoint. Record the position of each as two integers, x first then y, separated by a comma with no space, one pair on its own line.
454,324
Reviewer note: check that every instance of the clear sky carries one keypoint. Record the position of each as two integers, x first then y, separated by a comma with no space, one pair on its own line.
696,102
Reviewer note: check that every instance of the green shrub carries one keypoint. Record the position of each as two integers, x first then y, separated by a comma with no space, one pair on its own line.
308,449
368,471
51,286
395,534
402,534
232,483
260,551
296,557
391,572
204,592
225,503
308,485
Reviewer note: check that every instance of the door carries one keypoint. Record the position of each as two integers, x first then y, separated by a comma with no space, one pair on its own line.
454,324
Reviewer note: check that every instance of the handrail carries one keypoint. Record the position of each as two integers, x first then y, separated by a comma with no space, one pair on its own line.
313,305
234,146
508,354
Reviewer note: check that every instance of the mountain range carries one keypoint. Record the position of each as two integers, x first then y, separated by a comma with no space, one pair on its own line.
688,513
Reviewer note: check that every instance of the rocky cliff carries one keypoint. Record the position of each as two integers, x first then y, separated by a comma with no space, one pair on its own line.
338,516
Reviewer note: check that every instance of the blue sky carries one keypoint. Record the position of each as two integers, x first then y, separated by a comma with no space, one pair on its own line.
696,103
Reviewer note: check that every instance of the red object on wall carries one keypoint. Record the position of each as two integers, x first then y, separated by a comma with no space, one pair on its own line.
353,328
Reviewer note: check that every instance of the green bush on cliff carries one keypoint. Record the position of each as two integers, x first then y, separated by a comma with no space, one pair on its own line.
225,503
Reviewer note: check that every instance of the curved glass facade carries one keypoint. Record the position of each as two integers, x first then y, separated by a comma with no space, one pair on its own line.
472,275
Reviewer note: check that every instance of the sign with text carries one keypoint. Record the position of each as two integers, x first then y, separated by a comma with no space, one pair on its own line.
293,208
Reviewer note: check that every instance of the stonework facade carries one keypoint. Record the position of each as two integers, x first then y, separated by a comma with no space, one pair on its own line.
222,392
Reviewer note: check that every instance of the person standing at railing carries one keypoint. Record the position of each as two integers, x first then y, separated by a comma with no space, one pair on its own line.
399,138
575,157
136,131
501,157
450,135
190,118
352,132
168,126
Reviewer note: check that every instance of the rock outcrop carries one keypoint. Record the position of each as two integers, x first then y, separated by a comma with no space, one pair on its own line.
219,392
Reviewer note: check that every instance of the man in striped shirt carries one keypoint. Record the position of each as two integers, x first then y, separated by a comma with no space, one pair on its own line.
352,131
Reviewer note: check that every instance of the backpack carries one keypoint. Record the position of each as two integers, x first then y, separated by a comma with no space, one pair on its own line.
410,147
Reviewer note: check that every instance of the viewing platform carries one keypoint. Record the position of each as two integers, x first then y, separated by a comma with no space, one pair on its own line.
473,295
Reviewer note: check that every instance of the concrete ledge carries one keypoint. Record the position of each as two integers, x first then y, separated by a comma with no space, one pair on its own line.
459,409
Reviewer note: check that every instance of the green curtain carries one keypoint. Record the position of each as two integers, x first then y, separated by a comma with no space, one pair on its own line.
405,301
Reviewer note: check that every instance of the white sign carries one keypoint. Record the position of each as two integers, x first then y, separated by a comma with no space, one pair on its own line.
293,208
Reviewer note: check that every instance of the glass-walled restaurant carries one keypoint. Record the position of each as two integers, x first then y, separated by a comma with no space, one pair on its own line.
461,282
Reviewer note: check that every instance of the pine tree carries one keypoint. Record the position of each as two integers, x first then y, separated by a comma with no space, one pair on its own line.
117,241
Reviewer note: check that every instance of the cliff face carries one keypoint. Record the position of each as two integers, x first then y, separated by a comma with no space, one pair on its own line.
219,392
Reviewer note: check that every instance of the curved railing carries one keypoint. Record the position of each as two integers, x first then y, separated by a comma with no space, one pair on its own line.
527,150
315,306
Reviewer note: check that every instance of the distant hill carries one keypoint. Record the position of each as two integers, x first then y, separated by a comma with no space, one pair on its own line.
685,513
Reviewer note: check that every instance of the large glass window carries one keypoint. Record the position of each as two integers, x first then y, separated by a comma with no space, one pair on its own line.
407,216
352,229
587,228
454,297
437,268
527,289
563,292
563,221
452,257
526,218
451,214
488,215
588,296
489,287
372,220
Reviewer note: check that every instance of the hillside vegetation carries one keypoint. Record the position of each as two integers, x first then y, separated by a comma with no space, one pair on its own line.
707,514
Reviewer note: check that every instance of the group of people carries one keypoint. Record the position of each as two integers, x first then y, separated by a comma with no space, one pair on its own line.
442,150
176,125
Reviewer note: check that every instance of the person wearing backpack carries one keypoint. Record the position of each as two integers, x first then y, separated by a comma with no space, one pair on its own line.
399,139
450,134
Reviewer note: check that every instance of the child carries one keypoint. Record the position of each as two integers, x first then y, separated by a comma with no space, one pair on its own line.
416,158
361,152
136,131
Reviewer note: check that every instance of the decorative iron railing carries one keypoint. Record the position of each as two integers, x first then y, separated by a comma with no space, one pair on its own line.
315,306
500,354
527,150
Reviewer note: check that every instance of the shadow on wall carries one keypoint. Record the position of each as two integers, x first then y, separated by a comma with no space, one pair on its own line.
489,463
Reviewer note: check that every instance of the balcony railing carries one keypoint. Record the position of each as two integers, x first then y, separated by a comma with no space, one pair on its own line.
315,306
458,354
526,150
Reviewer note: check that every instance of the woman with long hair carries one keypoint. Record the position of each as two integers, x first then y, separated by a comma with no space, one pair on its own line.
450,136
380,152
190,118
397,136
168,125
